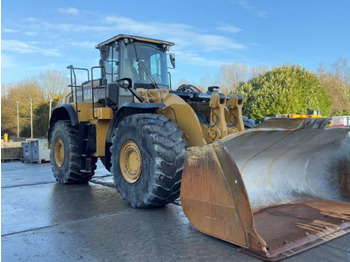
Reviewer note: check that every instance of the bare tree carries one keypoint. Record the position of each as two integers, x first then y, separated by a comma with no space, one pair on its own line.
231,75
336,82
341,69
54,83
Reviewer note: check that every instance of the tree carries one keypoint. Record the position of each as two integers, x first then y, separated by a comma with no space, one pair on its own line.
54,83
48,84
336,81
341,69
41,117
21,91
283,90
231,75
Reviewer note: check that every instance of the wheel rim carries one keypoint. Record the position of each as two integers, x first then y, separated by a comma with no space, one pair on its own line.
130,161
59,152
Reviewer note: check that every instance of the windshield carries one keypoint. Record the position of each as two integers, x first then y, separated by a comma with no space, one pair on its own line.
144,64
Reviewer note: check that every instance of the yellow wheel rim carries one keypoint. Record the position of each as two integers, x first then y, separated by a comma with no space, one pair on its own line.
130,161
59,152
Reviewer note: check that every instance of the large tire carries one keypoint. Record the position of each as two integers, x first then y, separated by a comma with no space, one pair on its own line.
162,150
64,155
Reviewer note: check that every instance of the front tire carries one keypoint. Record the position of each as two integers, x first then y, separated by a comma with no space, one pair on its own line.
147,158
64,155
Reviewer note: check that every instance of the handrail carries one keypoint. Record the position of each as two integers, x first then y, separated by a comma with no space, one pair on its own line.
74,83
92,89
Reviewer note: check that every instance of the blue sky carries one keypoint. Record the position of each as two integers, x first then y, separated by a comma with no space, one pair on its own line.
50,35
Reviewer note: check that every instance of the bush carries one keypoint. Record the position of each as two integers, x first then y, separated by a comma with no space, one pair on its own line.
283,90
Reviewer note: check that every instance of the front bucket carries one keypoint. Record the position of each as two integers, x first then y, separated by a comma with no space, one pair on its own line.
273,191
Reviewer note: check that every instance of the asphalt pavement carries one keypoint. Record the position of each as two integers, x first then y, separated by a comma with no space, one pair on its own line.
45,221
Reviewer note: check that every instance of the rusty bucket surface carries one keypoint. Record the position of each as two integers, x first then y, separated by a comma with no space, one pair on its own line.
275,191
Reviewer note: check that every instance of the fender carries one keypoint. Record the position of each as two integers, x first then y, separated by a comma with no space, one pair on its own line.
63,112
125,110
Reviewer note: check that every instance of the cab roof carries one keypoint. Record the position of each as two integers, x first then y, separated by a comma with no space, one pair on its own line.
137,38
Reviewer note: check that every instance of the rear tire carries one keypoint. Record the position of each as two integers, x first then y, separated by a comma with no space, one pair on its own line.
147,158
64,155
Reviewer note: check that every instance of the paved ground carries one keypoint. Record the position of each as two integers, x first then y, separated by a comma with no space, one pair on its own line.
45,221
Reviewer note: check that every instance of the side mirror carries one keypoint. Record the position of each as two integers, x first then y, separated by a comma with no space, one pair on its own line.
172,59
125,83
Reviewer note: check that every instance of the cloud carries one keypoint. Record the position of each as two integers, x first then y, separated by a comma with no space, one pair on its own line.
230,29
29,19
84,44
73,27
246,5
9,30
195,59
194,45
185,36
30,33
70,11
26,48
7,61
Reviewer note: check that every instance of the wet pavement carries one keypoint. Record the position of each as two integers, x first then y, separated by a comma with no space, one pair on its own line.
45,221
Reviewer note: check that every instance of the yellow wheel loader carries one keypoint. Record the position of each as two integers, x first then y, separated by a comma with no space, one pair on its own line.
274,190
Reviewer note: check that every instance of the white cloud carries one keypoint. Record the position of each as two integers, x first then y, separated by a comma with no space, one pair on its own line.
9,30
246,5
7,61
185,36
230,29
195,59
193,44
84,44
81,28
29,19
72,27
30,33
26,48
70,11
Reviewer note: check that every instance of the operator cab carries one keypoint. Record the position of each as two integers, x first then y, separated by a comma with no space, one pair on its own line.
143,60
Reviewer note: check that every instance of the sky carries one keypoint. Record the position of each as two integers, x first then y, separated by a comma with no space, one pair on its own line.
39,35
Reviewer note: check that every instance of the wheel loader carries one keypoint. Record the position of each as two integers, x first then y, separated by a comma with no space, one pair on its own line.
274,190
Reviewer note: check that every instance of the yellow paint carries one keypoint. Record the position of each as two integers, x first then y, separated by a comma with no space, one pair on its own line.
225,117
181,113
217,116
234,109
103,116
130,161
101,135
222,114
103,113
315,116
59,152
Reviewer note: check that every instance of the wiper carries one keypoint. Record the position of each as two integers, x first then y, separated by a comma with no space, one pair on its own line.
145,69
147,72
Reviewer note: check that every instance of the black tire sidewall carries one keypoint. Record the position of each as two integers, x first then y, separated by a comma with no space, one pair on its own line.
60,131
129,129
